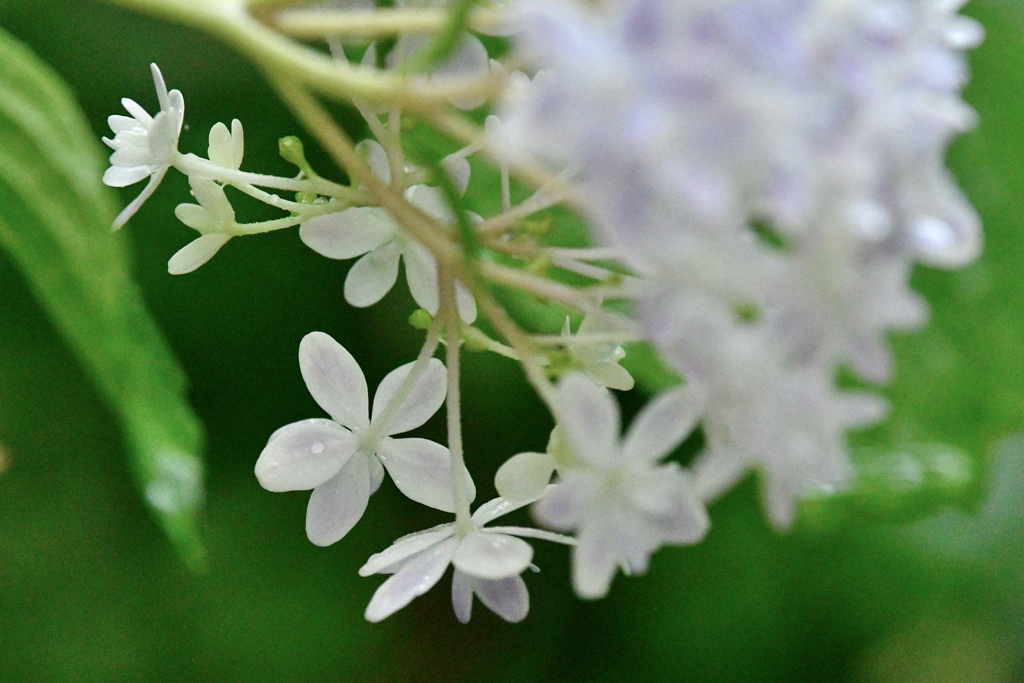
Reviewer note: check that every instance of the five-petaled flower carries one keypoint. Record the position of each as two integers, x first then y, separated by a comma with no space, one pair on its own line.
144,146
343,459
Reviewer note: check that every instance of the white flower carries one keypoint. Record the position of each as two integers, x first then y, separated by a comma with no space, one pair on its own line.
343,459
372,233
621,502
144,146
487,562
213,218
596,356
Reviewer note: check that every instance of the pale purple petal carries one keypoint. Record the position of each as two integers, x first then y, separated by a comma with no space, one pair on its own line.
415,578
492,556
590,417
304,455
425,399
561,507
508,597
196,253
663,424
373,276
421,469
337,504
594,560
334,379
404,548
462,596
349,233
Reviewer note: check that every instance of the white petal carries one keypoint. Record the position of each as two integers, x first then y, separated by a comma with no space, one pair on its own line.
212,198
376,157
337,504
137,112
663,424
458,169
227,147
594,561
508,598
372,276
376,474
146,193
420,404
196,253
161,86
465,303
492,556
431,201
411,581
462,596
421,469
304,455
195,217
130,157
334,379
717,471
123,176
590,417
421,274
349,233
610,374
524,477
404,548
120,124
492,509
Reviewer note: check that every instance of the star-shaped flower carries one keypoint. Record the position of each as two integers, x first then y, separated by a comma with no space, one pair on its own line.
372,233
595,354
213,218
488,564
621,502
343,459
144,146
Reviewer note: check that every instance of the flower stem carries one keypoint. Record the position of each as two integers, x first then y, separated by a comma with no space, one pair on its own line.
449,311
377,23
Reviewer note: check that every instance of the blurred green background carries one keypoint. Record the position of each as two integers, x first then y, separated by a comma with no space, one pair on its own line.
90,590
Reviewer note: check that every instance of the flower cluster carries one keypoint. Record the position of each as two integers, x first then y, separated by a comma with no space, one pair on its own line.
774,169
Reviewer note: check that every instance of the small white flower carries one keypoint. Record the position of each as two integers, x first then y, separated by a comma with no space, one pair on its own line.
622,504
144,146
227,147
595,356
372,233
488,564
213,218
343,459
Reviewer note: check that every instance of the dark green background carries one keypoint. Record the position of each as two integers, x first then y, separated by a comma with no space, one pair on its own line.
91,591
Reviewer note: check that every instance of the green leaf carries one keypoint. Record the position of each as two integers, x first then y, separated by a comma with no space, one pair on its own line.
55,218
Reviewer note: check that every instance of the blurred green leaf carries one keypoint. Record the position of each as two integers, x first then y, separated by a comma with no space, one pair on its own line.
55,218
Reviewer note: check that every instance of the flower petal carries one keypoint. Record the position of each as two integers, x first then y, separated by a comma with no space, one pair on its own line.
508,597
376,157
594,560
123,176
147,192
610,374
404,548
422,471
227,148
349,233
420,404
376,474
561,507
196,253
524,477
334,379
590,417
304,455
414,579
120,124
421,274
492,556
373,276
663,424
195,217
465,303
212,198
498,507
337,504
458,170
462,595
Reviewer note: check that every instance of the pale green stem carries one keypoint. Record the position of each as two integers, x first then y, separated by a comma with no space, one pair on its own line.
378,428
193,165
282,223
378,23
453,326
